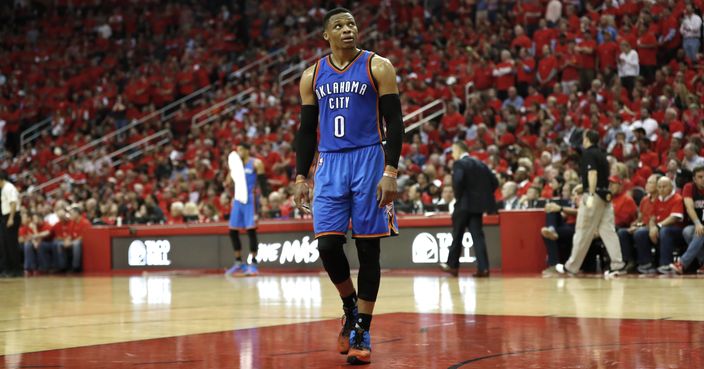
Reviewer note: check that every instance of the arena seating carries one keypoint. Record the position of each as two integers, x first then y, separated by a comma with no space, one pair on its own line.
515,83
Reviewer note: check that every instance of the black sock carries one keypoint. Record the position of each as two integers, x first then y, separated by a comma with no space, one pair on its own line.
254,259
350,301
364,321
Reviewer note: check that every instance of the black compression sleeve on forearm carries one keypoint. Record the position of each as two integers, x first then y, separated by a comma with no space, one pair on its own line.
390,106
306,139
263,184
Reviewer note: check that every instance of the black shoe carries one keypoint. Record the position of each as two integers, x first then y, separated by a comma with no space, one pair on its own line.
448,269
481,274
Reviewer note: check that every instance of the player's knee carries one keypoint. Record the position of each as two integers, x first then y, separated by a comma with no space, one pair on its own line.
333,258
368,251
330,244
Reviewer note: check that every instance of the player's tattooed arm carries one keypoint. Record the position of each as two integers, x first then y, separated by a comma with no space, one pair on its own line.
390,106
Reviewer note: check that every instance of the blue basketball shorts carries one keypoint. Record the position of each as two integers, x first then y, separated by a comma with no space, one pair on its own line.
345,188
242,215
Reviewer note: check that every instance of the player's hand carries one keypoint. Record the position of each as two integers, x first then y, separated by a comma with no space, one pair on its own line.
300,195
699,229
552,208
653,233
386,191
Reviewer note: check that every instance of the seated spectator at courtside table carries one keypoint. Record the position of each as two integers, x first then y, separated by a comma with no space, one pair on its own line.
560,219
625,208
510,200
645,212
77,229
664,230
63,241
531,200
693,194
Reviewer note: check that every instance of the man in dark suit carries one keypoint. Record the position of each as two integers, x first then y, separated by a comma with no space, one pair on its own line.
474,185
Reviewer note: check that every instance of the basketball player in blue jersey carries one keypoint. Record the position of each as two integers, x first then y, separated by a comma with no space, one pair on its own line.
342,96
243,215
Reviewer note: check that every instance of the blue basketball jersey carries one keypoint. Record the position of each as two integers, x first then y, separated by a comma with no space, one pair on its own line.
347,104
250,175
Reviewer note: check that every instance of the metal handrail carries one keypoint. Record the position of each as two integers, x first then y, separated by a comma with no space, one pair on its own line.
240,72
165,133
136,144
32,133
225,111
293,72
165,115
425,118
217,105
63,177
161,112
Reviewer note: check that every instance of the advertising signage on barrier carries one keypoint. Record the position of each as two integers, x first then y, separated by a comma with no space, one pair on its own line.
303,251
149,253
413,248
435,247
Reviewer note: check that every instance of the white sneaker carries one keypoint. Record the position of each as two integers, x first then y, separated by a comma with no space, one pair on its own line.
560,268
615,273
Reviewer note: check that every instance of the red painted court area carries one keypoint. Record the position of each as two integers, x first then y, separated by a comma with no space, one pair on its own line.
409,341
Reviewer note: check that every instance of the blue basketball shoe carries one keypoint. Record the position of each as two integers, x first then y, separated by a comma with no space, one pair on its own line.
236,268
360,347
251,269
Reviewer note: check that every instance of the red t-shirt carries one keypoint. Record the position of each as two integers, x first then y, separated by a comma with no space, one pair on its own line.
61,230
671,205
607,52
587,60
450,122
625,210
507,80
545,67
648,55
78,228
526,70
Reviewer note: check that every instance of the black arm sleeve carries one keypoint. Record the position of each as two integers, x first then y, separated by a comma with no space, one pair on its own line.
390,106
305,143
263,184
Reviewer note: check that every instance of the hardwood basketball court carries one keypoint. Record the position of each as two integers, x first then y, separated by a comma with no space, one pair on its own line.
423,320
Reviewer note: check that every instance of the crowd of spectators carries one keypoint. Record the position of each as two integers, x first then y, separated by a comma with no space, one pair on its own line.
520,81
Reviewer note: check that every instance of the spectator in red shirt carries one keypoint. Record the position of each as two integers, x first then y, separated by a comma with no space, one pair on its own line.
586,50
647,53
525,72
505,74
664,228
640,225
521,41
625,208
29,243
78,226
608,53
62,238
451,121
547,71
